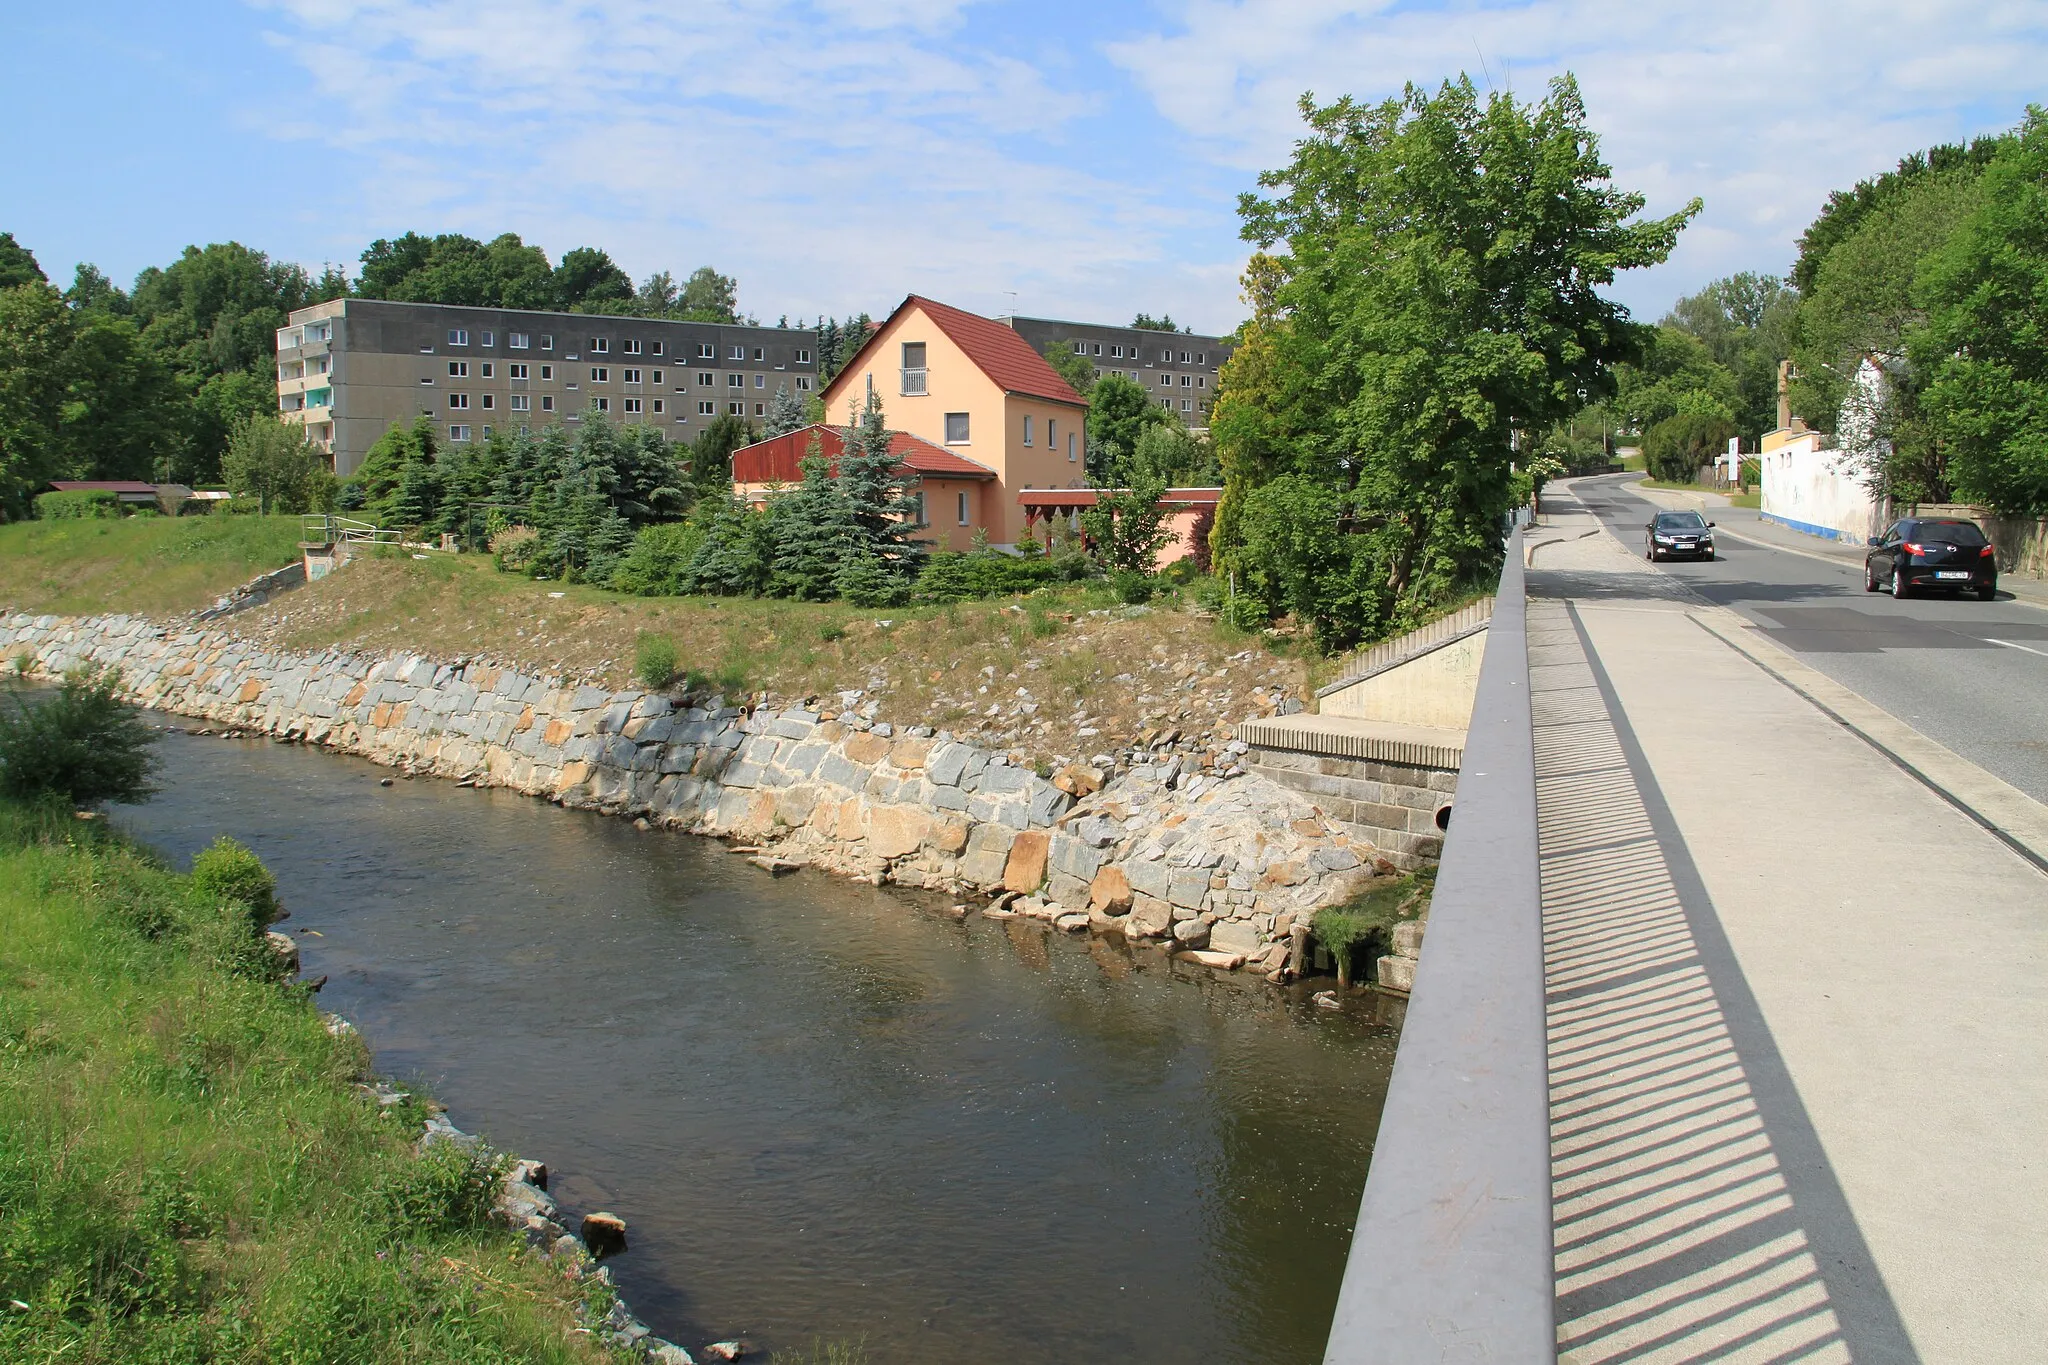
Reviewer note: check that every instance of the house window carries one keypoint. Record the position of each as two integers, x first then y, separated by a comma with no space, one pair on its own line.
458,400
1073,448
706,409
657,404
603,404
490,401
547,402
922,519
956,429
803,357
630,346
632,404
657,376
600,345
706,351
547,372
458,336
630,376
516,340
735,381
515,371
1027,428
458,433
490,339
705,379
963,509
458,369
915,375
488,367
654,348
803,383
547,343
521,402
600,374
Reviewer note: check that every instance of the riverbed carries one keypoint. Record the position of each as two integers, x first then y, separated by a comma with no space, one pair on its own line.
825,1110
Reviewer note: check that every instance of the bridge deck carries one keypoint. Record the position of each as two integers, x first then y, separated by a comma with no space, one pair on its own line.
1796,1009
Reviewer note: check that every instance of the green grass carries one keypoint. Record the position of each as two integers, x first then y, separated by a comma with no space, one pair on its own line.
1753,498
146,565
186,1171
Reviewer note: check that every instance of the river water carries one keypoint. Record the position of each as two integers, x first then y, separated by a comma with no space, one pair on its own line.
824,1110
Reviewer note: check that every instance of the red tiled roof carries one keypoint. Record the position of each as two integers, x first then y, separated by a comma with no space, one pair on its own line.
779,458
1085,497
997,351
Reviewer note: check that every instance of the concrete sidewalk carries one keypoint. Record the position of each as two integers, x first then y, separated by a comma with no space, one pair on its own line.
1797,1003
1748,524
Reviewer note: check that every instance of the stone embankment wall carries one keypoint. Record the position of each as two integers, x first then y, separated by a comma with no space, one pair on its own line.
257,591
1224,866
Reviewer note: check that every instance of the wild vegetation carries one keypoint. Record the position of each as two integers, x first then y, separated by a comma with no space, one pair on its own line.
150,566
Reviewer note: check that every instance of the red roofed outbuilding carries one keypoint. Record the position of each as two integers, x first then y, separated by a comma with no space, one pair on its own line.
967,386
955,489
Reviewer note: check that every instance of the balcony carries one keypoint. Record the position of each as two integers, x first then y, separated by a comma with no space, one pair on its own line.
914,383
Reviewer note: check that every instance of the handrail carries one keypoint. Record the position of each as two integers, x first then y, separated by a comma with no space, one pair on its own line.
320,528
1452,1256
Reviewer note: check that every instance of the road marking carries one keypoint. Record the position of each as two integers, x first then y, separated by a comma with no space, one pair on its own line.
2028,648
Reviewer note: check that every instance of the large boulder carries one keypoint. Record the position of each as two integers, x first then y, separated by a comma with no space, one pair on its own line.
1025,869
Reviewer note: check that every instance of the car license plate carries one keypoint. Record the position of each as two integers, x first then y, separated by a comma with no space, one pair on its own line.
1952,573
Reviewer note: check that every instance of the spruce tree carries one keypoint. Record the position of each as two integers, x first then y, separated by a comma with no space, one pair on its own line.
735,559
785,413
881,494
828,350
813,532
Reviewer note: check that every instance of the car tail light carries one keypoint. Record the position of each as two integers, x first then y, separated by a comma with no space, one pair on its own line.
1986,552
1913,547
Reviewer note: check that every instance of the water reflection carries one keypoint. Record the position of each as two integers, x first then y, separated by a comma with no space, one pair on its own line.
825,1109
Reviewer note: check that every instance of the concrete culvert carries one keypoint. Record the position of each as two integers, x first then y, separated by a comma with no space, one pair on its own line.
1443,817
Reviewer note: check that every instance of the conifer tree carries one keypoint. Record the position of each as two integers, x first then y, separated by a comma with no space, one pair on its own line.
813,532
881,492
828,350
785,413
735,559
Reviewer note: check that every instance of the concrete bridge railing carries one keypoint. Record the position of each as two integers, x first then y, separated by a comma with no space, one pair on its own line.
1451,1259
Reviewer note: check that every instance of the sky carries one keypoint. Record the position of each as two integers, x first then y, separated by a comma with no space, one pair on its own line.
1052,158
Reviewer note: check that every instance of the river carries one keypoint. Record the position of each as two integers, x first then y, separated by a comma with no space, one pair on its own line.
825,1110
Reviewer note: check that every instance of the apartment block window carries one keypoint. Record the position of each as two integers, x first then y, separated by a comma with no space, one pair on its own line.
458,433
547,402
760,409
632,404
657,405
629,346
1080,348
705,379
956,428
657,376
600,374
1201,357
1184,380
488,367
1116,352
1052,434
915,375
1027,428
803,357
735,381
517,340
654,348
426,379
1095,348
547,343
760,381
487,433
1166,356
1201,381
547,372
630,376
706,409
1183,357
522,402
736,409
1073,448
490,401
1186,405
963,509
706,351
1165,380
458,336
760,354
738,353
490,339
458,369
427,349
515,371
458,400
803,383
600,345
603,404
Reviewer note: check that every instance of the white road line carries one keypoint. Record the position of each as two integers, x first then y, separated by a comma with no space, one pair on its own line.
2028,648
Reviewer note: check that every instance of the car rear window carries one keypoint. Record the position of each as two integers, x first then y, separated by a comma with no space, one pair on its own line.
1951,532
1680,521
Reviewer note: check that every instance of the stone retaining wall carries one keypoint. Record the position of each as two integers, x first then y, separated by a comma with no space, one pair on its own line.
257,591
1224,865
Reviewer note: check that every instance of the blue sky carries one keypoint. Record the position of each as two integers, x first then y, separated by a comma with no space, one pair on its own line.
1077,160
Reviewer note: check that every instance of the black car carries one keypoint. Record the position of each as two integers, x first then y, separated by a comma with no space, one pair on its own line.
1931,552
1678,533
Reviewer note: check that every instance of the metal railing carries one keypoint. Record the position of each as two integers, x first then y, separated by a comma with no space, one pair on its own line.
320,529
914,381
1452,1257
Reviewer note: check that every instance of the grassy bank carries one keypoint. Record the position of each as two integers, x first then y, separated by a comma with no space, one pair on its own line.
1753,498
151,566
187,1172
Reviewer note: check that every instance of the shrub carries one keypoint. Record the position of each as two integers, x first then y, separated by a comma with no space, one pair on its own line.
84,505
83,745
451,1188
1132,587
659,562
228,873
515,549
1676,447
866,583
654,661
1339,931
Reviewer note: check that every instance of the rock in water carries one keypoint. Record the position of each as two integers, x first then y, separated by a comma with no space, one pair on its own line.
604,1234
726,1350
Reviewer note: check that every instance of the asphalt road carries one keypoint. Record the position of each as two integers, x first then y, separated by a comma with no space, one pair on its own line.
1970,675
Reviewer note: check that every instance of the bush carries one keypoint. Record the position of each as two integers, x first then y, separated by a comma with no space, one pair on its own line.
515,549
1132,587
1676,447
84,745
654,661
1339,931
86,505
658,565
864,582
451,1188
228,873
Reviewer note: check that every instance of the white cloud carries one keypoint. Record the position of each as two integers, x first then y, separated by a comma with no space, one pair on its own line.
1759,108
